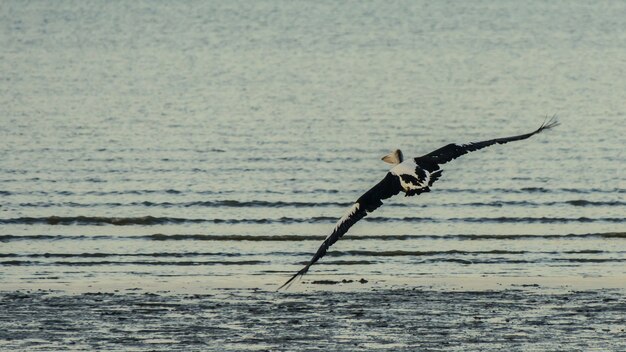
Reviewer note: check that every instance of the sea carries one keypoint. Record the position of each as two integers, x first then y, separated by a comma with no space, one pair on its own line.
208,147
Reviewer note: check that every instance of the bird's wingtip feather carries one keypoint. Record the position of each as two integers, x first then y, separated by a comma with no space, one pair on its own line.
300,273
549,123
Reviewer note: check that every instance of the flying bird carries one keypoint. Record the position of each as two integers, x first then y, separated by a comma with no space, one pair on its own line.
411,176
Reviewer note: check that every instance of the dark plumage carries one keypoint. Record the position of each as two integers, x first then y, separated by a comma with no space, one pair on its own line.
411,176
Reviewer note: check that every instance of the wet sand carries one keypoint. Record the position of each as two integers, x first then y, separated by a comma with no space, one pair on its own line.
352,315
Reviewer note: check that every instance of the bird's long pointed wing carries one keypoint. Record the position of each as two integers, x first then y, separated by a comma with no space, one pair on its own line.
453,151
367,203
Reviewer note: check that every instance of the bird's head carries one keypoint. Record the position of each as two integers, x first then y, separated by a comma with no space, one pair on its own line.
394,157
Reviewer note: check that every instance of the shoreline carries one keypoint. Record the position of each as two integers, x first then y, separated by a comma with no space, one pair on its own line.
312,283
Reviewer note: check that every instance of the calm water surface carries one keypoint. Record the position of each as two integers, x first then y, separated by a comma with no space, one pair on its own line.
219,142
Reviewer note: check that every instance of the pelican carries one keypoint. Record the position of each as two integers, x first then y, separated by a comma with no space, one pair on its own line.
411,176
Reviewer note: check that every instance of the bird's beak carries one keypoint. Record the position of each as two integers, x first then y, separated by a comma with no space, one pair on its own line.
388,158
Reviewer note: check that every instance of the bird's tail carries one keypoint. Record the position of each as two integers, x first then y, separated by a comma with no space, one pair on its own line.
298,274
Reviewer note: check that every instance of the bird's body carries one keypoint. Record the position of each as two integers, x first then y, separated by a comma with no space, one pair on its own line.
414,177
411,176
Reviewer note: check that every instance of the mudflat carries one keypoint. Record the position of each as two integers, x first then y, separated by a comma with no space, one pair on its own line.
518,317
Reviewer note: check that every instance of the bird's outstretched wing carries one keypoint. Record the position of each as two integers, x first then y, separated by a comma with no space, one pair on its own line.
453,151
367,203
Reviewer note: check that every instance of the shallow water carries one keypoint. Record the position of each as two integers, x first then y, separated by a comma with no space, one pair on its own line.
216,144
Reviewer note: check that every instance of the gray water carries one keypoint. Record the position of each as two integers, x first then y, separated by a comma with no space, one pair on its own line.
207,145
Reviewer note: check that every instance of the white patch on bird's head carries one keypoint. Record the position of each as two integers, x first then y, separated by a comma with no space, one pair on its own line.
394,157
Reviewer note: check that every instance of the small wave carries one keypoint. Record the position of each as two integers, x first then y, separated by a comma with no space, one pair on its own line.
402,253
7,238
152,220
530,237
261,238
522,261
498,190
139,262
593,190
163,237
98,220
576,202
200,204
590,260
482,261
297,238
497,204
110,193
318,190
343,262
523,190
588,203
133,192
261,203
534,190
229,203
543,220
501,219
360,253
107,255
15,262
586,251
